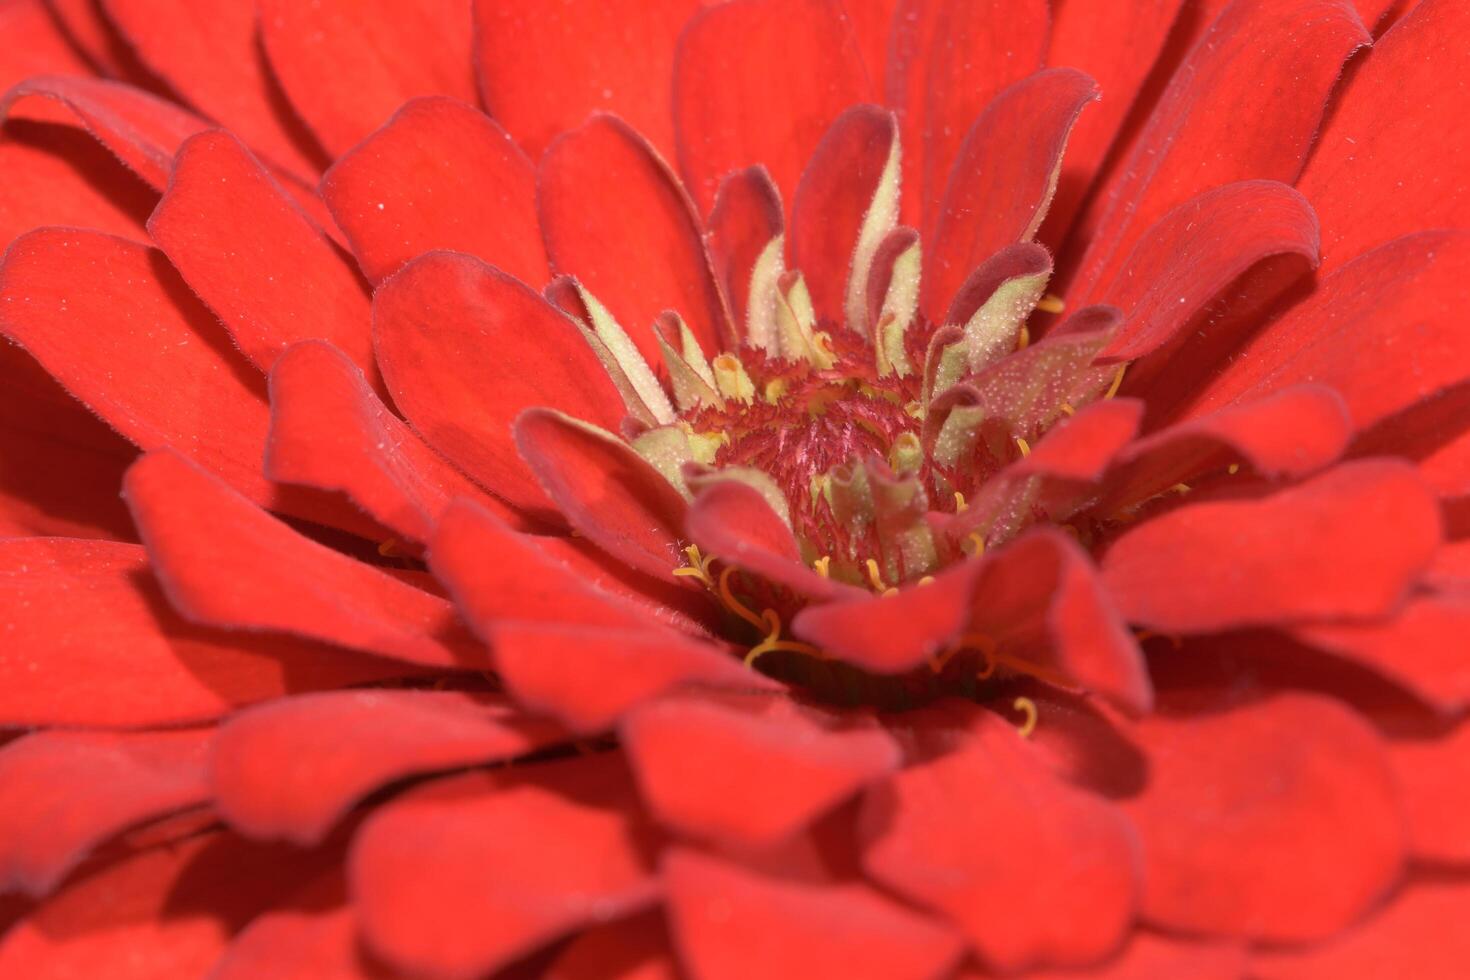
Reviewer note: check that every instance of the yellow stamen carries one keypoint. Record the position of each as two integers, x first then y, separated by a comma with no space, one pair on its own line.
875,578
1117,381
772,623
1181,488
1051,303
976,541
1023,339
1027,707
389,549
735,605
823,566
927,580
1067,407
1233,469
698,567
960,504
1024,446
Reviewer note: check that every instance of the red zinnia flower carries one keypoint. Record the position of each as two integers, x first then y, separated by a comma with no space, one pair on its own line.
885,546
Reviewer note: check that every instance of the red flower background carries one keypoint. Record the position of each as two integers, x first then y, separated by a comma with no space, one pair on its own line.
776,488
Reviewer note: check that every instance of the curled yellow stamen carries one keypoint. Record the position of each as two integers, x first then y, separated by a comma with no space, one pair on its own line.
1117,381
735,605
976,541
1024,446
960,504
1028,708
927,580
1067,407
389,549
772,624
1023,339
1233,469
1181,488
698,567
1051,303
875,578
823,566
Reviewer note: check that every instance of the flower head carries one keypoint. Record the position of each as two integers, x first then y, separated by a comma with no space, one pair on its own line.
763,488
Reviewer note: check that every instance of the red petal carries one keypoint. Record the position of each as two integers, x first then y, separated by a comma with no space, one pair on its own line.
1277,821
34,44
165,912
467,874
1419,934
609,493
1385,330
312,938
1040,600
733,521
60,467
215,64
63,793
292,768
74,300
894,633
466,348
250,253
523,583
871,22
1382,166
1422,647
60,175
588,677
745,218
62,669
759,81
731,924
1434,780
439,174
1291,432
143,131
1030,869
1150,957
330,431
616,217
1081,447
1227,563
832,200
1004,176
692,757
947,60
346,64
1198,249
1117,44
635,949
1194,139
225,562
544,69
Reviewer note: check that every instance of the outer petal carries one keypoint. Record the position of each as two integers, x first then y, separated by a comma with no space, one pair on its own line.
330,431
60,175
250,253
142,130
465,349
544,69
1226,563
176,673
794,59
214,63
634,949
1194,141
588,677
1081,447
1434,778
1381,167
75,300
1417,934
1117,44
467,874
1385,330
347,64
165,912
313,937
1198,249
730,924
224,562
439,174
292,768
615,216
36,44
1030,869
1004,176
609,493
1277,821
693,757
63,793
1147,956
745,219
